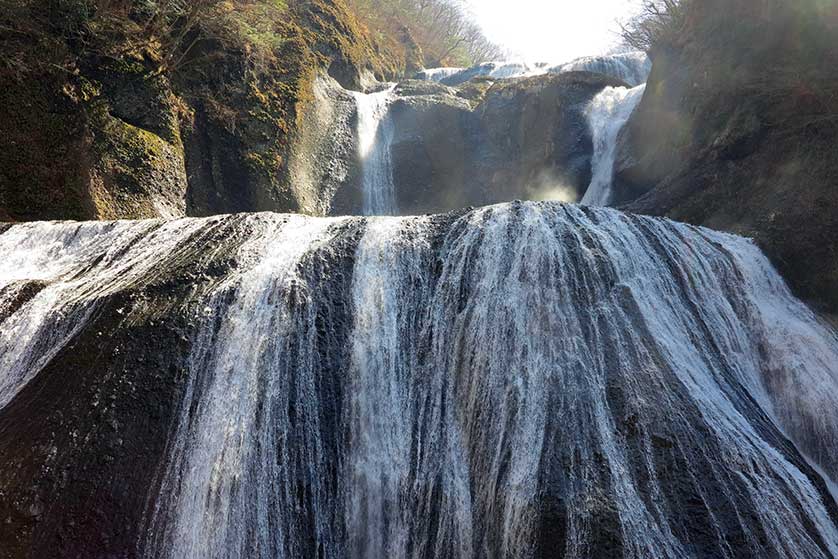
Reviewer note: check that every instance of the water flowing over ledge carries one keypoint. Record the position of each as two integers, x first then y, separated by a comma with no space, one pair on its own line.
518,380
375,133
608,114
631,67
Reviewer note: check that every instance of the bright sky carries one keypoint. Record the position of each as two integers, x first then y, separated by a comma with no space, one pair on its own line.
553,30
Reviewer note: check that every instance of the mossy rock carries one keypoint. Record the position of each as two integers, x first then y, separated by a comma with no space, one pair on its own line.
135,172
43,160
98,130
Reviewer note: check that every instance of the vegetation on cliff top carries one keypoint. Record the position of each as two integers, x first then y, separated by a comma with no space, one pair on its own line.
443,29
658,23
418,32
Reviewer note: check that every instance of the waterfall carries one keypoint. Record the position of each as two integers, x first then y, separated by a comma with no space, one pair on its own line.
375,133
631,67
437,74
55,276
522,380
380,408
238,450
607,114
498,70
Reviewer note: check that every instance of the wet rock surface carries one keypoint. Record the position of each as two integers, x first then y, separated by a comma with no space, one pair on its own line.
264,351
84,441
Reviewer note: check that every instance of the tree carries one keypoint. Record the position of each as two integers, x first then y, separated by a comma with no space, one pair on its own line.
444,29
659,24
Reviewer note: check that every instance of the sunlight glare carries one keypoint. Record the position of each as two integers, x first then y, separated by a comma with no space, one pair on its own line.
553,30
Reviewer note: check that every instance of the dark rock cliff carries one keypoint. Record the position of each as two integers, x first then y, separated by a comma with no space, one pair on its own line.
492,141
93,426
738,129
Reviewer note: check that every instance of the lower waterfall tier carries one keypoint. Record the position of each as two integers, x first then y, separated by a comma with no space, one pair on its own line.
522,380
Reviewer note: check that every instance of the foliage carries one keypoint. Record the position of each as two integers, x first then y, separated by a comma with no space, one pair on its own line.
443,29
427,32
659,24
171,29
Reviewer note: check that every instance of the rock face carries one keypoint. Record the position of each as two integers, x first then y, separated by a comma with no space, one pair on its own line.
737,131
324,165
103,144
492,141
105,129
97,126
526,380
94,422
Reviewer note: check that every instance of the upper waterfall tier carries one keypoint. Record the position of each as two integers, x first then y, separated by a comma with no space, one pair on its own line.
522,380
631,67
608,113
375,133
422,147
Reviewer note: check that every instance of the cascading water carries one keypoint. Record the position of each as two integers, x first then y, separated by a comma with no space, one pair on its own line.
437,74
238,450
380,406
497,70
607,114
631,67
54,277
522,380
375,133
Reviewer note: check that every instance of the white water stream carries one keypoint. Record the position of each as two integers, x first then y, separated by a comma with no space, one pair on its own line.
375,133
608,113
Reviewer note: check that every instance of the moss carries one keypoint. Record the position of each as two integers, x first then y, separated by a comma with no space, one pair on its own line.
132,171
336,35
474,91
130,66
89,90
241,93
124,142
42,160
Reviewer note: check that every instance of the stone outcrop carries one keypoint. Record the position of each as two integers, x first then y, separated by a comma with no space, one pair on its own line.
102,144
492,141
101,126
737,132
93,425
